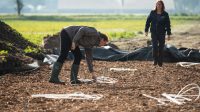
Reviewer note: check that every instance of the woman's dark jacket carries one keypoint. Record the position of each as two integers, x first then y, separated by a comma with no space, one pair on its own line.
159,27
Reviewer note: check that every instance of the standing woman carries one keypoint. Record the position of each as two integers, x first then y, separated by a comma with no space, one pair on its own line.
159,21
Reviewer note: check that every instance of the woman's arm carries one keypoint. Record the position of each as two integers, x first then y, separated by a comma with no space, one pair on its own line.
148,21
168,25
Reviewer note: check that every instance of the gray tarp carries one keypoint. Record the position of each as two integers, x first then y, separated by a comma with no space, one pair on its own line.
171,54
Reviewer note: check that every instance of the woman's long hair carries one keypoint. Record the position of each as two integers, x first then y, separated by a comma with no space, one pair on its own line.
163,5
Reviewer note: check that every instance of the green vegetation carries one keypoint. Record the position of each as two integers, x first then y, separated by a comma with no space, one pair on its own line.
3,52
34,28
3,59
30,49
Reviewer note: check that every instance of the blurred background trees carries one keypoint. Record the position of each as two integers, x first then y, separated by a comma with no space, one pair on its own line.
187,6
20,6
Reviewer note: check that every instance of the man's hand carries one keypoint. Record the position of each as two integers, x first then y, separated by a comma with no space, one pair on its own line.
73,46
146,34
94,77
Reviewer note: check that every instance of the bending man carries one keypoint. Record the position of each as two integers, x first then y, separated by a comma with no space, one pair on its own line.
71,38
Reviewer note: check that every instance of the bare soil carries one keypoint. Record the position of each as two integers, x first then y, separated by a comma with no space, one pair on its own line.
124,96
186,35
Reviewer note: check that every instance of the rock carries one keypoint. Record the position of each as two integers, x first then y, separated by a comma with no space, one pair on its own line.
51,41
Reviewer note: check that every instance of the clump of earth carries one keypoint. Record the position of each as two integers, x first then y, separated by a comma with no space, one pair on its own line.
15,50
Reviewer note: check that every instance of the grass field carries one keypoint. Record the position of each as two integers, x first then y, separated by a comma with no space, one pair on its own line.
34,28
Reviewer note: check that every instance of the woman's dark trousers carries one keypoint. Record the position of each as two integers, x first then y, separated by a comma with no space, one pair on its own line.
158,43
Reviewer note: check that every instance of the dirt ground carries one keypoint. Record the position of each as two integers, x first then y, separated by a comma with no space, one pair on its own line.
185,35
124,96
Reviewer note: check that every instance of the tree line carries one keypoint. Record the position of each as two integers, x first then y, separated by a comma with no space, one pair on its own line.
187,6
181,6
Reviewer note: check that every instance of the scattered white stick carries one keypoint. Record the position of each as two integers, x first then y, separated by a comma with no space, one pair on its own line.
160,100
76,95
179,98
87,81
174,100
183,97
100,79
186,64
122,69
106,80
182,92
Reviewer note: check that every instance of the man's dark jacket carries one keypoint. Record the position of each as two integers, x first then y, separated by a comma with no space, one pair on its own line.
87,37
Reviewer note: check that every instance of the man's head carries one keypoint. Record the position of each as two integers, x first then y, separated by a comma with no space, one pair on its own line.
104,39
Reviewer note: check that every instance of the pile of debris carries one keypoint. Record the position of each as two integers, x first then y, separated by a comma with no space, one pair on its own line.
15,50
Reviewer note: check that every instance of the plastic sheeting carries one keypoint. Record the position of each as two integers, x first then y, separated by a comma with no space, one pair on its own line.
171,54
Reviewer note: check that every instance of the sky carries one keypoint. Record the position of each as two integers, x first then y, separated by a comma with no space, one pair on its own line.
111,4
65,5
